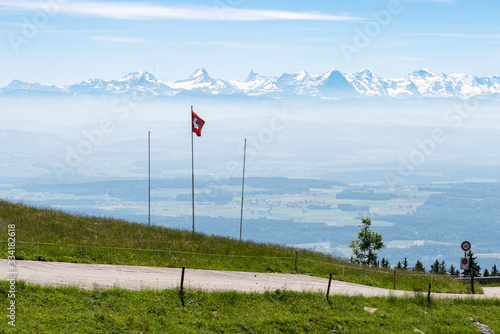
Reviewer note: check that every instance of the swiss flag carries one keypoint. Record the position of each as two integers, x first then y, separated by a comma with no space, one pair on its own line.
197,123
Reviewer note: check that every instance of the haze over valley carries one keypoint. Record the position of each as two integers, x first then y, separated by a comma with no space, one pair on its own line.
387,109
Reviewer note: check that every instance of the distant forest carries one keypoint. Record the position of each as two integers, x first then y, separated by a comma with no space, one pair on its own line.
364,194
136,190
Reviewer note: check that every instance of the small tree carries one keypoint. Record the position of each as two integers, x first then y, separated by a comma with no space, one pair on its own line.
486,272
365,247
384,263
442,268
405,264
419,266
399,266
494,270
452,271
475,266
435,267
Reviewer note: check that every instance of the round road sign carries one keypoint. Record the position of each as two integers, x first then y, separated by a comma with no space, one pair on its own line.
465,261
465,246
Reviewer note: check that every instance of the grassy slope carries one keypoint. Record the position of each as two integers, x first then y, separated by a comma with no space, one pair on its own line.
179,248
70,310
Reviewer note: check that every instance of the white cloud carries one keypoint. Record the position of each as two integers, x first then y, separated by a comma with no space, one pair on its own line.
264,47
451,35
143,11
13,24
118,39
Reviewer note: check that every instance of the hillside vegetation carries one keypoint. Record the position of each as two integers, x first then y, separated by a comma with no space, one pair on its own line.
71,310
51,235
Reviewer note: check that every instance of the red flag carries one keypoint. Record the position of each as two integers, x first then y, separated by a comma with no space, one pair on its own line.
197,123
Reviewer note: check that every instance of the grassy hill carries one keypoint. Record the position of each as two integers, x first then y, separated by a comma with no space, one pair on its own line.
51,235
70,310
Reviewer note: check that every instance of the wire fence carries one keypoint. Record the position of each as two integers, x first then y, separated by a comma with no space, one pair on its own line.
341,266
150,250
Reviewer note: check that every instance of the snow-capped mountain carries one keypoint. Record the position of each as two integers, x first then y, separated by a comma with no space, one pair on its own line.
331,85
200,81
368,83
142,83
17,85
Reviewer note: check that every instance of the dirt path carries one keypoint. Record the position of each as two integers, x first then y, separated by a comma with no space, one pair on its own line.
102,276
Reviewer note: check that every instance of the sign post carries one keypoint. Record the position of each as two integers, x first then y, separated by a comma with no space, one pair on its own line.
467,263
464,263
471,266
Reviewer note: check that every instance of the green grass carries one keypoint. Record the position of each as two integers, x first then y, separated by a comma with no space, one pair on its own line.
71,310
70,238
491,284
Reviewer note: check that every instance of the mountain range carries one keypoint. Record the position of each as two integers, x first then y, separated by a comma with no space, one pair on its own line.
331,85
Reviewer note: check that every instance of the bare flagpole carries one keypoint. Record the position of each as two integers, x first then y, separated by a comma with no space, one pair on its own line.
243,186
149,178
192,167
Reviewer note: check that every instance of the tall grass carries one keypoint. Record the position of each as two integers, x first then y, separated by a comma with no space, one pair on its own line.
52,235
72,310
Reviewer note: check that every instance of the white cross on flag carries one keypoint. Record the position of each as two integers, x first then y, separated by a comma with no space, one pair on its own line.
197,123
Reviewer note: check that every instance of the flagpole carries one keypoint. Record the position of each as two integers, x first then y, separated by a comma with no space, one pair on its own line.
192,167
149,178
243,186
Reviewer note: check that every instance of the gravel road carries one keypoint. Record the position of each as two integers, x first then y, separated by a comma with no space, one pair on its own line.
102,276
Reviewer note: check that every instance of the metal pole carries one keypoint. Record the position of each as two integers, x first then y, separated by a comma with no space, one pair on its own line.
471,272
243,186
149,178
192,166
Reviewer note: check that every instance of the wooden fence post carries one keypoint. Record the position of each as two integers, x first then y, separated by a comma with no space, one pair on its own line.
328,289
182,280
394,280
182,287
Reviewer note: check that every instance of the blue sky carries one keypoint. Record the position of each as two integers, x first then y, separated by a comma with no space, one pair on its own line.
65,41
